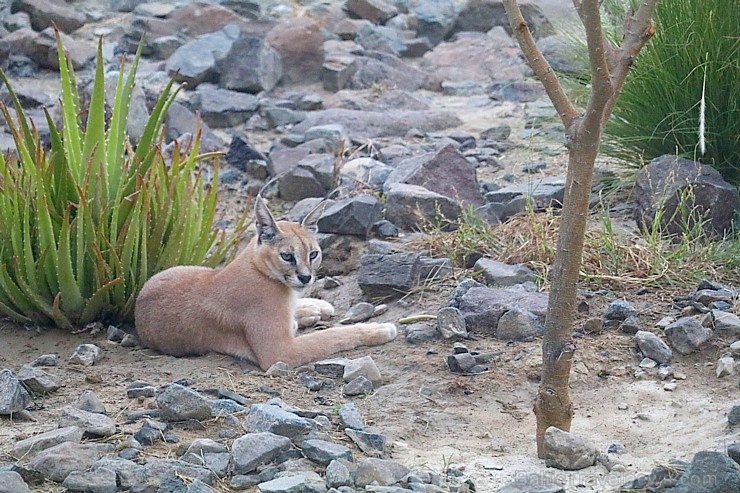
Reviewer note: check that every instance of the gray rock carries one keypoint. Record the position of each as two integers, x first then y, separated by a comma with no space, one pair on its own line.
179,403
360,312
14,397
482,307
350,416
735,349
413,207
665,184
726,324
45,360
337,72
201,446
380,38
250,65
373,124
630,325
372,444
265,417
180,485
733,417
280,117
376,11
41,48
157,471
12,482
57,462
381,69
196,61
338,474
218,462
182,124
733,450
501,274
358,386
519,324
687,335
709,472
114,334
33,445
541,194
461,362
532,483
388,275
451,323
352,216
566,451
725,366
100,480
97,425
364,172
298,482
323,452
140,389
653,347
709,296
382,471
224,407
446,172
221,108
620,310
483,15
312,177
47,13
86,355
129,474
463,287
333,367
150,432
246,158
364,366
435,19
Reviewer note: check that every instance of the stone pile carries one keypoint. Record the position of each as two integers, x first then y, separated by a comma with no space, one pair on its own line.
270,446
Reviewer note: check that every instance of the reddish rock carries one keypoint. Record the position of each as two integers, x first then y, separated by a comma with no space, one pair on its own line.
300,44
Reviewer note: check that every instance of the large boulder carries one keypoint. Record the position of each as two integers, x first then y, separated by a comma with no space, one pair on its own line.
446,172
684,191
414,207
48,13
483,307
196,61
250,65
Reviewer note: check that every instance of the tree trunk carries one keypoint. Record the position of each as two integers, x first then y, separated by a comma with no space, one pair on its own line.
609,68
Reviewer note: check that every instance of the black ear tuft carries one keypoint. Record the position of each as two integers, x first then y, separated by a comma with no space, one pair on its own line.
264,223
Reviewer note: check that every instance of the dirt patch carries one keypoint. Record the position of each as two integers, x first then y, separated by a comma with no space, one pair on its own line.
481,424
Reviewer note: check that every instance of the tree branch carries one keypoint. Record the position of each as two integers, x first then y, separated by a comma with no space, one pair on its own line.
638,31
539,64
601,82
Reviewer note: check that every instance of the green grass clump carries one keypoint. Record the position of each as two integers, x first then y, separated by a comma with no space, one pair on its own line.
84,223
689,68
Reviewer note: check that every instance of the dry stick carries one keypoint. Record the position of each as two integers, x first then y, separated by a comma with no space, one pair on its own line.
553,406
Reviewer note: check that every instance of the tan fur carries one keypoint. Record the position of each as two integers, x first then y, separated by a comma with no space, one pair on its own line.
250,308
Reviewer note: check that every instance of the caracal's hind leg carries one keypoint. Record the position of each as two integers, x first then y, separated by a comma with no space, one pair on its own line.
309,311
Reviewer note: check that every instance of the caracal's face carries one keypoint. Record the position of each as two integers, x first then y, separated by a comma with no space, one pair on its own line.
295,255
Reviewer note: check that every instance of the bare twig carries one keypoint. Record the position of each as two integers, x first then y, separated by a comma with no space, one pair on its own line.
540,65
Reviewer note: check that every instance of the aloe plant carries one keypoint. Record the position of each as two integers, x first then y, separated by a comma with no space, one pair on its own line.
85,222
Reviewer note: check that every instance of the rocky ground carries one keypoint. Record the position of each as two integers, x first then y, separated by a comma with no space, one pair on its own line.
429,106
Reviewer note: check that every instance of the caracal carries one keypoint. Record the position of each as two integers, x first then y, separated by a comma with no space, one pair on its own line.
250,309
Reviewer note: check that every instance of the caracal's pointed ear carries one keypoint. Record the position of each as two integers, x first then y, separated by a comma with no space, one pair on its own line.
264,223
309,222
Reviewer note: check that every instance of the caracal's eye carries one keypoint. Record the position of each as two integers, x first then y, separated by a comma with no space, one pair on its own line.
288,257
313,255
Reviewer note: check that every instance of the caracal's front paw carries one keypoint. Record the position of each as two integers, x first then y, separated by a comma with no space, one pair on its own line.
386,331
309,311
